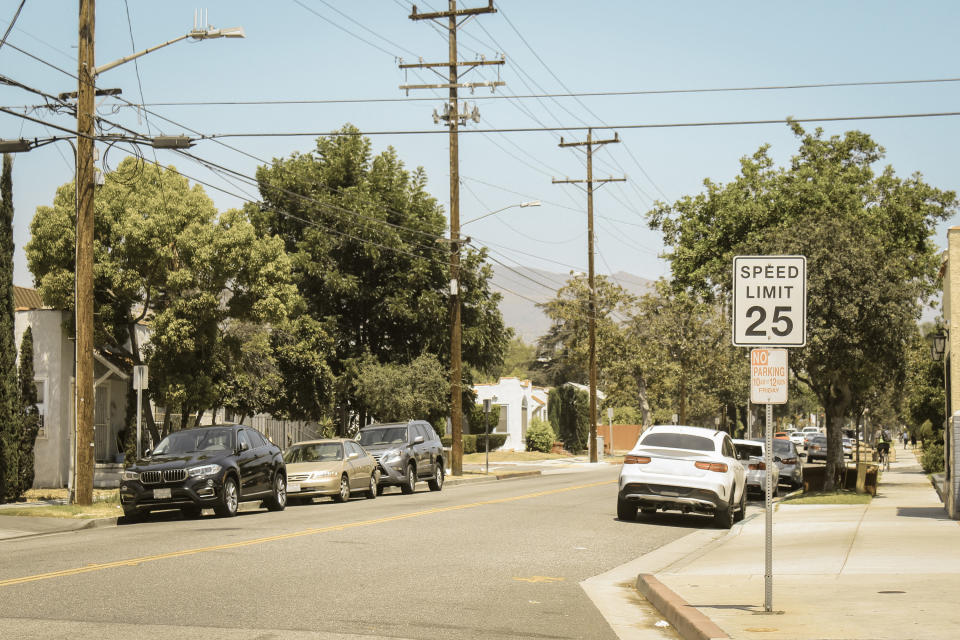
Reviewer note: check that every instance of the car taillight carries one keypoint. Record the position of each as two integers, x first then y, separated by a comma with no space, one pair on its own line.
636,460
789,461
712,466
757,466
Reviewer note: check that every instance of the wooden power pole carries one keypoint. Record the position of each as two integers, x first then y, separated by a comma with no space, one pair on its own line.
455,18
83,292
590,144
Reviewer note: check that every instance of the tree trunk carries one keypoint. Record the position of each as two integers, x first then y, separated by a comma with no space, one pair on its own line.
835,405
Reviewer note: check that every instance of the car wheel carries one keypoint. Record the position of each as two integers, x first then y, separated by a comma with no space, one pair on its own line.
436,482
724,517
278,501
344,494
229,499
191,512
742,510
380,489
410,484
132,514
626,511
373,491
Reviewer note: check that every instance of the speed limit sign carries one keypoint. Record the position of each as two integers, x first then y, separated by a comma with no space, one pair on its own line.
769,301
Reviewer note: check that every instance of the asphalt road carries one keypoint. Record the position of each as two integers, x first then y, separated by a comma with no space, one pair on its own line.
493,560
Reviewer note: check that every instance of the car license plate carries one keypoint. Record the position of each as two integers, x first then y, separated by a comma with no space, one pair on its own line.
293,487
162,494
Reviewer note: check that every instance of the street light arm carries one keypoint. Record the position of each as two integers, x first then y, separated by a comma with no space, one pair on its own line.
133,56
534,203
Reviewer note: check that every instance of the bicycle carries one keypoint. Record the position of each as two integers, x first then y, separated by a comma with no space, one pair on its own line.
883,451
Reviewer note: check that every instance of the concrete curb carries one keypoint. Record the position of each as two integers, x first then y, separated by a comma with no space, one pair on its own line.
77,525
690,623
493,477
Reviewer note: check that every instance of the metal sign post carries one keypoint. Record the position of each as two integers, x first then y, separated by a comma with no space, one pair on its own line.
139,383
769,310
486,428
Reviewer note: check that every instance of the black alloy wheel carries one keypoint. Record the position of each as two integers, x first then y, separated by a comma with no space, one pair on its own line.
410,483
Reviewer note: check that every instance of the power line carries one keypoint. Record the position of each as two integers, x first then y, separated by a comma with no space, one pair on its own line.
665,125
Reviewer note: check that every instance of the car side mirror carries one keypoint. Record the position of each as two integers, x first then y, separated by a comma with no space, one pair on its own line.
353,455
777,459
244,446
418,440
146,453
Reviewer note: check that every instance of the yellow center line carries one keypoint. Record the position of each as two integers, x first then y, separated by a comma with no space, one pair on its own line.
132,562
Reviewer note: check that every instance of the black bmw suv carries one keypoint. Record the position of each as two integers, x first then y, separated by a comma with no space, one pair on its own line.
215,466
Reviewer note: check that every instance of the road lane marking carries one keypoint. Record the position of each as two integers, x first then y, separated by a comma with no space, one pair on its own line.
132,562
533,579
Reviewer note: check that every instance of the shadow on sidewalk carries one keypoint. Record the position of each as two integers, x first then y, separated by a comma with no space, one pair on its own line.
935,513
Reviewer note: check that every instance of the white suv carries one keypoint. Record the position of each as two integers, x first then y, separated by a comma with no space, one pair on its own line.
688,469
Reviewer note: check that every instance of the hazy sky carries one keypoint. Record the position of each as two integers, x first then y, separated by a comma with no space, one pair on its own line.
302,51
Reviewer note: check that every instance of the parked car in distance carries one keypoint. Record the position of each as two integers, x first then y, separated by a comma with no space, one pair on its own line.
788,462
797,438
848,448
334,468
750,453
216,466
405,453
682,468
781,435
817,448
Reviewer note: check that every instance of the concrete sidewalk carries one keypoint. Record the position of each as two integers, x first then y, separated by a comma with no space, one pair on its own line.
890,569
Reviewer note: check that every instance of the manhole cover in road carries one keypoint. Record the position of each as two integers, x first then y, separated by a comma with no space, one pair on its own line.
891,591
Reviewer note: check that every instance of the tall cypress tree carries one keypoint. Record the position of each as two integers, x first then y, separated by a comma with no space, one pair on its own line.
29,414
9,393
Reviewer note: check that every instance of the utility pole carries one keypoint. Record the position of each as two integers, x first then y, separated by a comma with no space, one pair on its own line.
453,116
589,144
83,293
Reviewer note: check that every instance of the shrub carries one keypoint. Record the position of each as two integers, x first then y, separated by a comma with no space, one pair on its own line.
932,460
469,441
496,441
540,436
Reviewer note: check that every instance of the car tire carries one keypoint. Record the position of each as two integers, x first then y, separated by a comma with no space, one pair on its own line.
344,494
742,507
626,511
191,513
229,499
648,511
278,500
380,489
436,482
410,483
374,489
724,517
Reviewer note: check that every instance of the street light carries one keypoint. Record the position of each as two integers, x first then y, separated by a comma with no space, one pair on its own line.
532,203
939,346
87,72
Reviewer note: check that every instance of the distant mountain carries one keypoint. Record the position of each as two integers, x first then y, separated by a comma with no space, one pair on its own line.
537,285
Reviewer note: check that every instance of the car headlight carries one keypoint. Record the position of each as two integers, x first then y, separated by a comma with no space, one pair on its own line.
318,475
204,470
393,455
130,475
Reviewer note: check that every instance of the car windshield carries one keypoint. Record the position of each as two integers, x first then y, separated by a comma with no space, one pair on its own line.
389,435
678,441
783,446
749,450
191,440
315,452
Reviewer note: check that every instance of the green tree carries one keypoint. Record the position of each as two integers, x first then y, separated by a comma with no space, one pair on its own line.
925,399
569,414
10,423
867,239
29,413
402,392
164,256
362,232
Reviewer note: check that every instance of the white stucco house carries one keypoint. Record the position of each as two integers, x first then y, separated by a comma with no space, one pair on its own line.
520,401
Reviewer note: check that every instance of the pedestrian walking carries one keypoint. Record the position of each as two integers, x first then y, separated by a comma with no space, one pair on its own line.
906,439
913,441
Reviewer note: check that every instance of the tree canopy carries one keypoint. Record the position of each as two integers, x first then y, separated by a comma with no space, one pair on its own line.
867,238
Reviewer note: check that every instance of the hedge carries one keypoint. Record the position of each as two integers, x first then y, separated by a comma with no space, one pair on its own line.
473,443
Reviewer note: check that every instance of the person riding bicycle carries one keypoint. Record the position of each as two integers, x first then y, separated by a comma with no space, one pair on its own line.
883,446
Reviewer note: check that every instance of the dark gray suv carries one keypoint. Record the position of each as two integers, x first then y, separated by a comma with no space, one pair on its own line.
405,453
